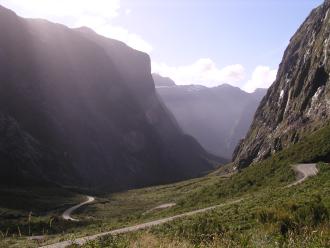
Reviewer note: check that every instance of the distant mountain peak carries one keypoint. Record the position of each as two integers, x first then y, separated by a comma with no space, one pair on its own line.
217,116
161,81
86,29
226,85
260,90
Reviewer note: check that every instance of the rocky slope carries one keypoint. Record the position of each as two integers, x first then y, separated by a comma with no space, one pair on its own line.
217,117
81,110
299,100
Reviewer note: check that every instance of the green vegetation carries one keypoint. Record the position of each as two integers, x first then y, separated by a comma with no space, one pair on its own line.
274,172
291,217
108,212
264,217
269,215
31,210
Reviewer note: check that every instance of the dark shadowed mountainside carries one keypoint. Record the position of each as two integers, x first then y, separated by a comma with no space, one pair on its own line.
298,102
217,117
79,109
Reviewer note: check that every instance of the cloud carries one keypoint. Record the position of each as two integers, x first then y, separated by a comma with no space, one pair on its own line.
96,14
66,8
262,77
99,15
131,39
203,71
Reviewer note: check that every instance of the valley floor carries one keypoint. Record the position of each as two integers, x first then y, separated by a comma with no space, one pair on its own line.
106,213
303,171
271,214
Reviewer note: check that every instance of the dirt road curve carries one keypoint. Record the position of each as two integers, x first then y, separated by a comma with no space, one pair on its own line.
83,240
67,213
304,171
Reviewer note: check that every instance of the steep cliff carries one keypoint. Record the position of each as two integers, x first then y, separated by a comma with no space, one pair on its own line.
81,110
298,102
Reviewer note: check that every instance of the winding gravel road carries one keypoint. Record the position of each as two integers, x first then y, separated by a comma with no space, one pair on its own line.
163,206
303,171
83,240
67,213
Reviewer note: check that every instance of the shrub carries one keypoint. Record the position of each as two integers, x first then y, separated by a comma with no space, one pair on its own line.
266,215
312,213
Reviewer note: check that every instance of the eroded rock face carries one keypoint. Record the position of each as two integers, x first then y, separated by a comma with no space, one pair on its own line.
299,100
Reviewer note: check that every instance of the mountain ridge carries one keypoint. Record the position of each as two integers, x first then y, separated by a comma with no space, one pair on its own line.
83,114
217,117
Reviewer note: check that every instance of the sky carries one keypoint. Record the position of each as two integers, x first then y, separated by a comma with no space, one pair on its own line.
208,42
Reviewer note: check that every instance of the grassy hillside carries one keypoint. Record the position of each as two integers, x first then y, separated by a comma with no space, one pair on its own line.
109,211
272,173
268,215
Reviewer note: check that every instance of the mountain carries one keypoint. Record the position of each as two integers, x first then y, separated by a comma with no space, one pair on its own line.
79,109
298,102
217,117
162,81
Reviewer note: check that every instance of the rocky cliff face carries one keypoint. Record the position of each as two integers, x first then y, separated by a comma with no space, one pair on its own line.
299,100
217,117
80,109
